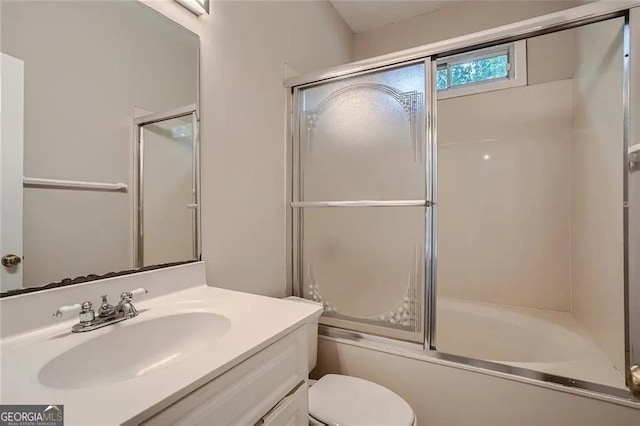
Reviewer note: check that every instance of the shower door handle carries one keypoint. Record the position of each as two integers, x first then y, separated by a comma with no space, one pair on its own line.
634,384
634,158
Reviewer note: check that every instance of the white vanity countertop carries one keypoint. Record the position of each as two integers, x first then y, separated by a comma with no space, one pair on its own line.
255,322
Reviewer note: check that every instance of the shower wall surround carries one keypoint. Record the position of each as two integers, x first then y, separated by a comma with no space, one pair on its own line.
504,197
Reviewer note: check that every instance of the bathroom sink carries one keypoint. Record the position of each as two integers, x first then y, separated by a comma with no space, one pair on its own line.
134,348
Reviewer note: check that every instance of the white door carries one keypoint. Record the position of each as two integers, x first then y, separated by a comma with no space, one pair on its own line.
11,163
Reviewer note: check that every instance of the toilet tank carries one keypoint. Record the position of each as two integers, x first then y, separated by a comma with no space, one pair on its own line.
311,328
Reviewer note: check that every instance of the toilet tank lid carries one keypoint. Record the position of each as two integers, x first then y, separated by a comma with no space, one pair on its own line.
344,400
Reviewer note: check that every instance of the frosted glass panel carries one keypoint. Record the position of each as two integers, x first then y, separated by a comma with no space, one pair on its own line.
366,265
363,138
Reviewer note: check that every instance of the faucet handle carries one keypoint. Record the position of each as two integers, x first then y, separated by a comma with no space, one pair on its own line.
127,295
84,308
67,308
87,314
139,291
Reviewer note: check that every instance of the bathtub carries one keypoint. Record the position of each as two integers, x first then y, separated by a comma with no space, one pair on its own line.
546,341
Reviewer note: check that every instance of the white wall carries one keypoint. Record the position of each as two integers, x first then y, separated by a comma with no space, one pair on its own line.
443,395
452,21
504,191
79,105
504,222
597,184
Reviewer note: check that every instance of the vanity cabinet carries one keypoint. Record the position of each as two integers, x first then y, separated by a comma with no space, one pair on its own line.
268,388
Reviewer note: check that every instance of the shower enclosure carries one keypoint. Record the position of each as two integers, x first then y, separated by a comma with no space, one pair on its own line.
166,192
519,252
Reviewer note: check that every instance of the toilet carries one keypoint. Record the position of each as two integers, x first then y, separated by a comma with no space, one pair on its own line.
341,400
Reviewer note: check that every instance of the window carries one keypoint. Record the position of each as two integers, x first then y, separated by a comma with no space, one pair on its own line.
482,70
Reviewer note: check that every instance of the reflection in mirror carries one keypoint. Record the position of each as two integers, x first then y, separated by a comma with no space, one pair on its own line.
167,191
81,74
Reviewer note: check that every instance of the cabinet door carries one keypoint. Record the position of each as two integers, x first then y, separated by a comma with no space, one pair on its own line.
292,410
242,395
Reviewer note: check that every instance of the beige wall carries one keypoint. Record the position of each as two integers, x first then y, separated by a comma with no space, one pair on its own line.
443,395
79,105
453,21
244,47
596,175
504,222
504,196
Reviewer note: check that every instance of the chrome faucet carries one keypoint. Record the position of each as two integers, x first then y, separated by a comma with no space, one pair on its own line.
107,313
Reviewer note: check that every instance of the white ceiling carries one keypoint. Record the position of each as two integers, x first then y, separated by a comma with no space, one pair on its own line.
362,15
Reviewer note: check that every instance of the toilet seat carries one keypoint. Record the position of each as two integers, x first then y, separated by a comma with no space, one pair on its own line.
350,401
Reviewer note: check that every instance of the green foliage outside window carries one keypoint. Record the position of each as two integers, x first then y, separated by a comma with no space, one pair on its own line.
473,72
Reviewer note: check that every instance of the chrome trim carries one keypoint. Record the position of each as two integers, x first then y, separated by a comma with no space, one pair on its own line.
107,315
478,54
186,111
288,193
390,66
535,375
631,202
195,226
431,175
199,154
362,203
139,185
368,339
565,19
626,45
166,115
401,348
296,215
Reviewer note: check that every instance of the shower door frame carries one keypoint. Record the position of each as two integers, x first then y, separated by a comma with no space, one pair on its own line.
555,22
138,227
294,202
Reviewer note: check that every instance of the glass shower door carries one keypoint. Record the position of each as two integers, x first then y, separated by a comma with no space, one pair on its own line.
360,199
167,191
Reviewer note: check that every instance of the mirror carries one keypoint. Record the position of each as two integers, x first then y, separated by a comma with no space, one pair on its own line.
99,169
